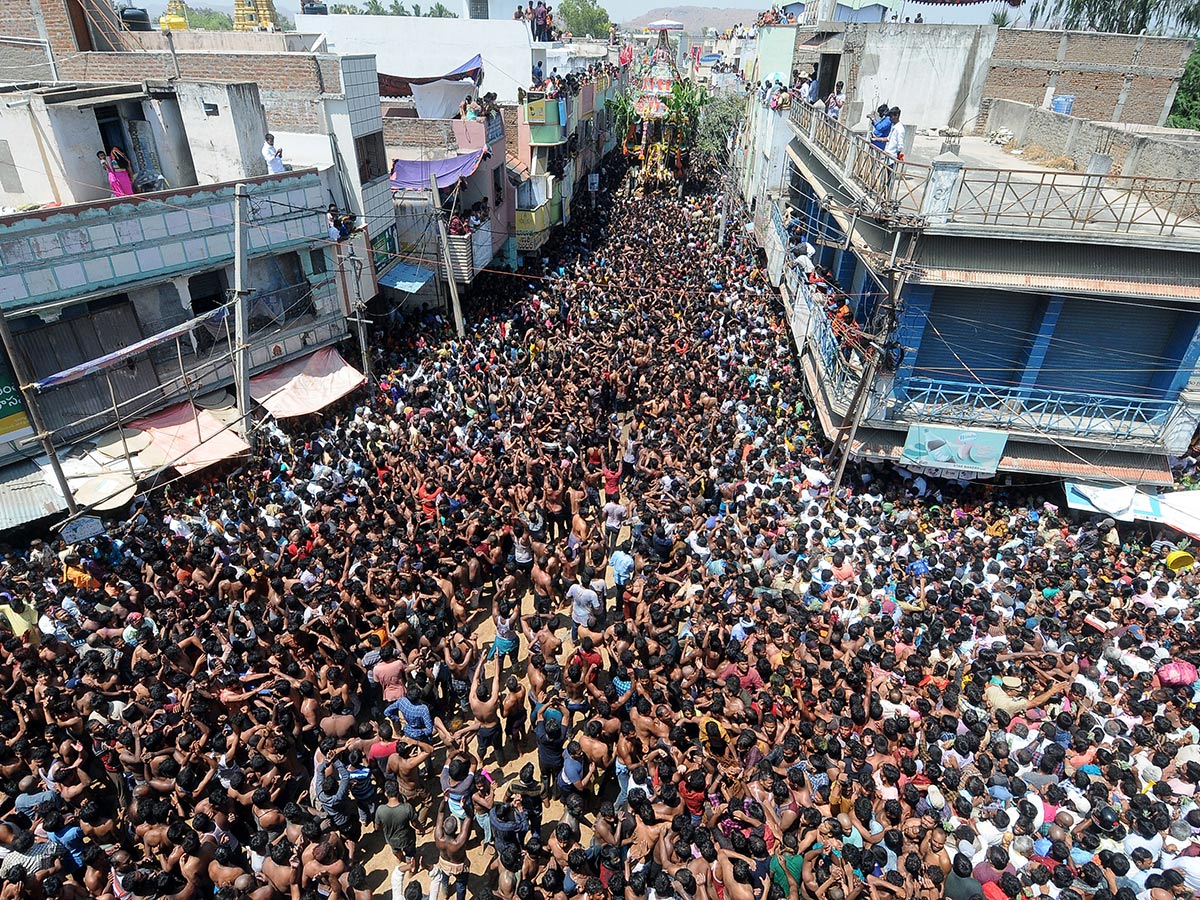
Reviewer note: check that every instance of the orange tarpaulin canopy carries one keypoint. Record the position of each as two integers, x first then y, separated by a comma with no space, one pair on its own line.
306,385
190,439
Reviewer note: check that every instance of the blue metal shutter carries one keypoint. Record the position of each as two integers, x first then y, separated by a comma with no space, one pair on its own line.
1104,347
990,331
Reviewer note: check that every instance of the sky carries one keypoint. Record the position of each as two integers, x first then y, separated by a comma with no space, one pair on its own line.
624,10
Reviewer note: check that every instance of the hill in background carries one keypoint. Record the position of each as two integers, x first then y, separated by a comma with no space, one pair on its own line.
696,18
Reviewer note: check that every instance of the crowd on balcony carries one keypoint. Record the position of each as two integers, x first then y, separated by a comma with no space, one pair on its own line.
469,220
555,84
478,107
775,16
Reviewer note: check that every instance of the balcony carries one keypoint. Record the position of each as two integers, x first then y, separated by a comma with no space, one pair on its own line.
64,254
533,226
839,361
587,100
551,120
469,254
947,197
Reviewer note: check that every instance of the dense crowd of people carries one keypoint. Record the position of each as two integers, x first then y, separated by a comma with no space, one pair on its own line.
563,610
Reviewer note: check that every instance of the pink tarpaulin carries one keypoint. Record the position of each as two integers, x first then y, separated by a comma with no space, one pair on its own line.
190,439
306,385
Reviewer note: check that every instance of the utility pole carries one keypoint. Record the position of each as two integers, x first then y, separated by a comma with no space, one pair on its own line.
862,393
35,412
724,214
858,407
444,245
360,314
241,314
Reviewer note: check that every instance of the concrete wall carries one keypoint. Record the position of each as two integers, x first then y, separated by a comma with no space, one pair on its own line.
1149,155
225,41
776,47
761,159
226,146
170,137
934,73
418,47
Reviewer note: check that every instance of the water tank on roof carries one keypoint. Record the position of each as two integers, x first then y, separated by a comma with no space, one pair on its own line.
313,8
1063,103
135,19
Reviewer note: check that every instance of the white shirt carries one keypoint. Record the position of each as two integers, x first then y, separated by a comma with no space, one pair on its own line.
895,141
270,155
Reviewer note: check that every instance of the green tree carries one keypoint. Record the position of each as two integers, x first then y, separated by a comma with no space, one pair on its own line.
209,19
374,8
416,10
344,9
283,23
583,18
397,9
439,11
718,122
1128,16
1186,111
1001,18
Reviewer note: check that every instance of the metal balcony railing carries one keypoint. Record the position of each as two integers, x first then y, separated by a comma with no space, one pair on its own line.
1035,409
1004,198
1113,417
469,254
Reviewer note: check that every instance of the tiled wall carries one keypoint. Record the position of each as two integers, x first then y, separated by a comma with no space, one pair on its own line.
61,254
361,86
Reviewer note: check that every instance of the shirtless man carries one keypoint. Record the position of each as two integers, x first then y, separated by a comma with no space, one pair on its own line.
485,701
450,836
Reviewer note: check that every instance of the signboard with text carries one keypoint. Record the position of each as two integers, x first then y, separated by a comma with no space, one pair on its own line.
949,452
14,421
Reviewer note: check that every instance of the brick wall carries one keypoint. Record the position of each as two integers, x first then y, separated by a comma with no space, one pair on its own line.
293,111
1094,68
270,71
17,20
406,132
24,62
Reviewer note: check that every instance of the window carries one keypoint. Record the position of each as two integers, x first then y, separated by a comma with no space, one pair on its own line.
372,157
208,291
317,261
498,186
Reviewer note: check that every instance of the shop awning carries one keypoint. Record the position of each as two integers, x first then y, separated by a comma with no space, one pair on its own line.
306,385
189,439
405,277
1093,464
413,174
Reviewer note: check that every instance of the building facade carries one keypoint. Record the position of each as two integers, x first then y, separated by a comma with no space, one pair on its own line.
1039,307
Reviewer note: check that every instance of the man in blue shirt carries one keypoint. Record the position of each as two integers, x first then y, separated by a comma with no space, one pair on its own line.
622,565
883,128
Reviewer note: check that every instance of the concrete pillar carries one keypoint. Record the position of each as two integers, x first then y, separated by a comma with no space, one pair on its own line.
1119,109
1052,85
941,190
